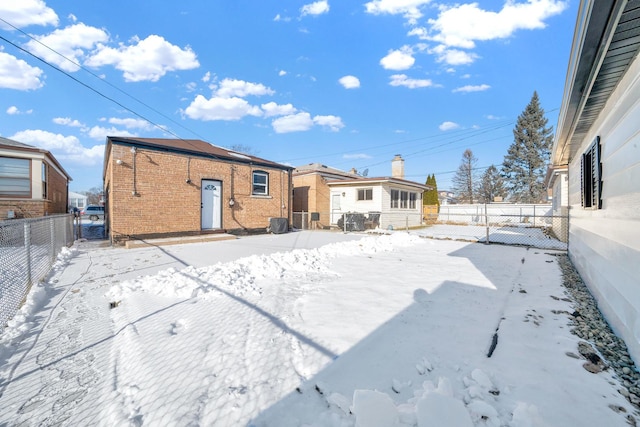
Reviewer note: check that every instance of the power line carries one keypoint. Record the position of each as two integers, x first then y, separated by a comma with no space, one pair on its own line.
102,80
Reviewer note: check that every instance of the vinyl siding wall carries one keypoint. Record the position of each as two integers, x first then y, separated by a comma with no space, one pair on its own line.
604,244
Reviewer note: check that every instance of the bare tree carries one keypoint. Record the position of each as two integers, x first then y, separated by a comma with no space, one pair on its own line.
464,179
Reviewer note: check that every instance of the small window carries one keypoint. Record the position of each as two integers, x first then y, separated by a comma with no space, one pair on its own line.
365,194
15,177
260,183
591,176
44,181
412,200
404,199
395,198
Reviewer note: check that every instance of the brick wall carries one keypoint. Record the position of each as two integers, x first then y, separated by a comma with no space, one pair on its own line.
57,192
312,194
165,203
55,203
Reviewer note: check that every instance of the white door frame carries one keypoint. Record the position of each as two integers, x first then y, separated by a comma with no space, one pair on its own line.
211,204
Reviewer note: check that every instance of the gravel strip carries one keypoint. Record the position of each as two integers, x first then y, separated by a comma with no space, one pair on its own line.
603,349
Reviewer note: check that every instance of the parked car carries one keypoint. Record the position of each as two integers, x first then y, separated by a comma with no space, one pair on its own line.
94,212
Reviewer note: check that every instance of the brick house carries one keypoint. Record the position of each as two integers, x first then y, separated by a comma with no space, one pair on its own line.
169,187
311,192
32,182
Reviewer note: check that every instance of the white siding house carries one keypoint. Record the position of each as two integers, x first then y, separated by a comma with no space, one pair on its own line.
598,142
398,202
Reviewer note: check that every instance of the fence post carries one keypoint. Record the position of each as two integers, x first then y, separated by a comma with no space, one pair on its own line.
486,222
27,246
407,223
534,215
52,237
344,222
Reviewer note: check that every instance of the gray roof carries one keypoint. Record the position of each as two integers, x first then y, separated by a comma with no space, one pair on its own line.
605,43
12,143
323,170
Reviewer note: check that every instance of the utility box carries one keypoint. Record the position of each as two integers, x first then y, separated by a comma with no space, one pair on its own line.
278,225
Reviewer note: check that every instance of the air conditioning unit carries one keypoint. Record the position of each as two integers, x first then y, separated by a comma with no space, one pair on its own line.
278,225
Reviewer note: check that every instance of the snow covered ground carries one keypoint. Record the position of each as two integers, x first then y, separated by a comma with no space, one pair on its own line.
308,328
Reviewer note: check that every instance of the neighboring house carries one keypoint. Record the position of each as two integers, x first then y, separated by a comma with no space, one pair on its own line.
165,187
311,192
385,201
598,143
77,200
446,197
32,182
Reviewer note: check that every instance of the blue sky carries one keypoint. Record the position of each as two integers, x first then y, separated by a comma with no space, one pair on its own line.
344,83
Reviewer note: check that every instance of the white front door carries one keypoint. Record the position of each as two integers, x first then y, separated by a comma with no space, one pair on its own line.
336,210
210,203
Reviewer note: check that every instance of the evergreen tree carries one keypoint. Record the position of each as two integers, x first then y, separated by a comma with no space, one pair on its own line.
464,179
525,164
491,185
430,197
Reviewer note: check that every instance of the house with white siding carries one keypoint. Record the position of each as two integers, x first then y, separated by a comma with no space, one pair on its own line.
385,202
598,144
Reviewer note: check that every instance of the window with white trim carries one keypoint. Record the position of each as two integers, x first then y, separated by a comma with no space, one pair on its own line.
591,176
260,182
365,194
15,177
404,199
395,199
412,200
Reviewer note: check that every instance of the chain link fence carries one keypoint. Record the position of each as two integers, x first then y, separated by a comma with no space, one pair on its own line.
526,225
357,221
28,249
512,224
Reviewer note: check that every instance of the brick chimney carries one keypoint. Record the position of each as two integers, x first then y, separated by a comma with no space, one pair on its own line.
397,167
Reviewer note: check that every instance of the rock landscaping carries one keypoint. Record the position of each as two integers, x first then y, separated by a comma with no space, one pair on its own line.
602,349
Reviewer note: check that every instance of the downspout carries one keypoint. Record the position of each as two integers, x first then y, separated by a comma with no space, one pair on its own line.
135,190
290,203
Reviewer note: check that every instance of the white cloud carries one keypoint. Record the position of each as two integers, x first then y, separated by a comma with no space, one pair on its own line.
130,123
73,18
492,117
218,108
448,126
272,109
400,59
66,121
356,156
26,12
410,9
472,88
71,42
453,56
462,25
230,87
100,133
13,110
206,77
17,74
292,123
282,73
316,8
403,80
334,123
147,59
64,148
350,82
282,18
